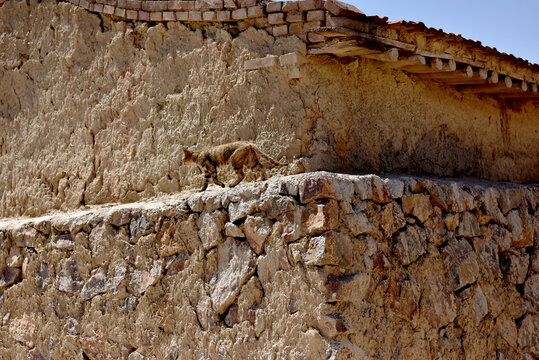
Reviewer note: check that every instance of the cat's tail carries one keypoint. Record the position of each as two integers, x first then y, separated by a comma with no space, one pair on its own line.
265,158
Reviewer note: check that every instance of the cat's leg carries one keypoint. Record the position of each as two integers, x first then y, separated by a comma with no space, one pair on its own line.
237,160
210,172
216,181
238,168
261,170
207,177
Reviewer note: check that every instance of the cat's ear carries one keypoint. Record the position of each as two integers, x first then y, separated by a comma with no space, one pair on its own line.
187,153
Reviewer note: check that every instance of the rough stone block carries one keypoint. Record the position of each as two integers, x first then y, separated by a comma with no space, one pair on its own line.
358,224
230,4
95,285
223,15
139,226
261,22
131,14
294,16
277,205
274,6
296,28
417,205
261,63
209,16
195,15
438,304
531,289
515,266
209,4
142,279
339,8
180,5
487,252
469,226
316,15
276,18
292,228
211,225
451,221
145,15
256,230
461,262
153,5
313,188
233,230
331,248
510,199
321,216
167,242
239,14
305,5
534,260
255,11
290,6
392,219
85,4
169,16
247,3
236,263
527,334
9,276
410,244
96,7
507,329
133,4
270,263
108,9
521,225
372,188
402,294
120,12
154,16
182,15
23,328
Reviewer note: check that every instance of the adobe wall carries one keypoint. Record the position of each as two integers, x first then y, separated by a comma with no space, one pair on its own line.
310,266
95,110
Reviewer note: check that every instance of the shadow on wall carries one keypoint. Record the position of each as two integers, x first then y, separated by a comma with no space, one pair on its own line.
437,153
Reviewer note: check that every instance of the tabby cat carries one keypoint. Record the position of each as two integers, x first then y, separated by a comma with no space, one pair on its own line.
239,154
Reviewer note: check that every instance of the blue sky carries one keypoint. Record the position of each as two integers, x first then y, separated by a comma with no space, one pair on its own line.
511,26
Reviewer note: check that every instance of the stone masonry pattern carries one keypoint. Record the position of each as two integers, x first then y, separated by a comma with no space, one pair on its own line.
277,18
310,266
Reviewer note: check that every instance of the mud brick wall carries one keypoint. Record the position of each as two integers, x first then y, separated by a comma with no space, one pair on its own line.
95,109
311,266
277,18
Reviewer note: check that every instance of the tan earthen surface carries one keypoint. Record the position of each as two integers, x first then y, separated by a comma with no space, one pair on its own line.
95,110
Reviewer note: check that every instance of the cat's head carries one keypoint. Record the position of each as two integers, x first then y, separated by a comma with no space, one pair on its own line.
188,157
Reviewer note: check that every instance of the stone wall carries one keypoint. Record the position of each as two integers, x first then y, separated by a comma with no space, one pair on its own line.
311,266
